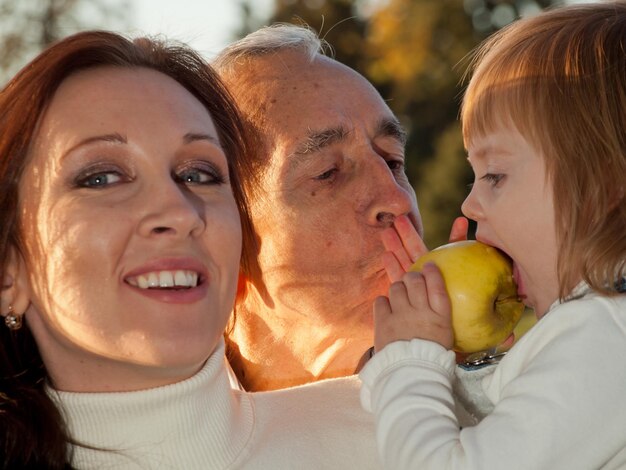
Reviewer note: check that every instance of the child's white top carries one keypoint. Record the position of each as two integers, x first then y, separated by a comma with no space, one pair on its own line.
559,398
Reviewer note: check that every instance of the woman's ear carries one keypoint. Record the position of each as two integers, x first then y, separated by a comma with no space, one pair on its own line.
15,293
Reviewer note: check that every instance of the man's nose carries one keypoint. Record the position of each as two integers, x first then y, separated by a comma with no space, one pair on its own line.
389,199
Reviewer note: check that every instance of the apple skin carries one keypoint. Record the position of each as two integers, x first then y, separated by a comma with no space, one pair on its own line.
482,291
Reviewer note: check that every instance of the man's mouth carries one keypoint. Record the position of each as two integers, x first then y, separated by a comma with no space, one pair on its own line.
165,279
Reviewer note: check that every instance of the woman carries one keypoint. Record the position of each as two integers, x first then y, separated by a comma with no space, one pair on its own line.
120,243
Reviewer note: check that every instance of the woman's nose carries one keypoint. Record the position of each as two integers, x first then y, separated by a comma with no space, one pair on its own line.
173,210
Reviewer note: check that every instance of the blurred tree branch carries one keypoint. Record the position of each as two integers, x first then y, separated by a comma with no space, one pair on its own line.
28,26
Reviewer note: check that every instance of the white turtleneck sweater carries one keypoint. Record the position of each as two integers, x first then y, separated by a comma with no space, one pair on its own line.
203,423
557,399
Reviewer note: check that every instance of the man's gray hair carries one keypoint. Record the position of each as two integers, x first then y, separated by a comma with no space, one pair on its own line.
271,39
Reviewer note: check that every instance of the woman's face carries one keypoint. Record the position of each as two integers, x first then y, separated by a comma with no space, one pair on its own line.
132,235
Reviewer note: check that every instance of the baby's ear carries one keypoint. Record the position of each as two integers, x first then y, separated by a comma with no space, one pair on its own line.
15,286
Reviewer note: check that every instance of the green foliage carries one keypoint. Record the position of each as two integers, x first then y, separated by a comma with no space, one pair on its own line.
443,184
416,50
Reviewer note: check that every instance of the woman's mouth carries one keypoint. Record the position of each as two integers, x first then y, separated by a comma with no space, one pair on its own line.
165,279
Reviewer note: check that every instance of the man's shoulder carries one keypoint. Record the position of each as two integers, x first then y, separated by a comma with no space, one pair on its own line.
331,398
321,423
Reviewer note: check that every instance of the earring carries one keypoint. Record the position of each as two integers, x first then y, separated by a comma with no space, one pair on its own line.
12,321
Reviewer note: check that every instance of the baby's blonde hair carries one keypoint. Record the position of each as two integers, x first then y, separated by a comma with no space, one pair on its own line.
559,78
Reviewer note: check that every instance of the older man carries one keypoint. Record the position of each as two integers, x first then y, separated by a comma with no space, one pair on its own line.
330,178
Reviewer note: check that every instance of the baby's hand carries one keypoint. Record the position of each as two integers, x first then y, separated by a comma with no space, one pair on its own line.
404,245
418,307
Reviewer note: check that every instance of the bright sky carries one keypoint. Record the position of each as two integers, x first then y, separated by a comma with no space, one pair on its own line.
206,25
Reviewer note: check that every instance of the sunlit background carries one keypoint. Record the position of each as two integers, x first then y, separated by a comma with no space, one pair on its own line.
411,50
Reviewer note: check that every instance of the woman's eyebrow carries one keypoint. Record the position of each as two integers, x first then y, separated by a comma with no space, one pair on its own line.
195,136
114,138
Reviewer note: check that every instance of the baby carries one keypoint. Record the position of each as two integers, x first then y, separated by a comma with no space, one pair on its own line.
544,124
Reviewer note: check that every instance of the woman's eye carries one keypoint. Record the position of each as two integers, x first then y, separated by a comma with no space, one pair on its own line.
326,175
200,176
100,179
492,178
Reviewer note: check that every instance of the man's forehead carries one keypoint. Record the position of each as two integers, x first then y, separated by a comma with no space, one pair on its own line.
319,84
300,103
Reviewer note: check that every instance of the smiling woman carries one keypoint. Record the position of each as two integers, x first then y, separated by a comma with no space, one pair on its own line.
162,189
116,157
120,246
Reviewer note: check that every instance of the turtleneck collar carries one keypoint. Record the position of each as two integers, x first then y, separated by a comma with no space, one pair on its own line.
200,422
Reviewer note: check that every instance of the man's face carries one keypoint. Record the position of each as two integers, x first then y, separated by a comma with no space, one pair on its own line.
335,178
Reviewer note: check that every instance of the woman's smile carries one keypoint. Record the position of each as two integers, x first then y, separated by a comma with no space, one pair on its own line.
165,280
170,280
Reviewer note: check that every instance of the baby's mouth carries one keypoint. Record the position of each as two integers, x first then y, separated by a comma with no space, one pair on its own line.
518,281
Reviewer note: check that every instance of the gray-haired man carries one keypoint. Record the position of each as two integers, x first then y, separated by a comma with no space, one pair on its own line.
330,178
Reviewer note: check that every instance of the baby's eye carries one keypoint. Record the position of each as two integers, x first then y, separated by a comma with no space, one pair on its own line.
99,179
493,178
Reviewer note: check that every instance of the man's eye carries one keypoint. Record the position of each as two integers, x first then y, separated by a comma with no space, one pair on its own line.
395,165
99,180
326,175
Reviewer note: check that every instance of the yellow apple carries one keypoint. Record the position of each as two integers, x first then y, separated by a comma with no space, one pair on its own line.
483,293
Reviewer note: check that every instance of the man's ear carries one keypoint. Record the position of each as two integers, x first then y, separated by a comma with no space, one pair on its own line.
15,286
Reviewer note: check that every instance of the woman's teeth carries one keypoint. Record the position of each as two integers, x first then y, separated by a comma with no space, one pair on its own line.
164,279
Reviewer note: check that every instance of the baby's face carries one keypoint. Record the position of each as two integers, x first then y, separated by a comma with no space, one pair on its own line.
512,202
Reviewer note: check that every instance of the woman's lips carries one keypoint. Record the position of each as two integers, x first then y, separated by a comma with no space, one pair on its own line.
174,294
170,280
164,279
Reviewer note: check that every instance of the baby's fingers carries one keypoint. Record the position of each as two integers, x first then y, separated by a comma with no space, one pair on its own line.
416,292
436,287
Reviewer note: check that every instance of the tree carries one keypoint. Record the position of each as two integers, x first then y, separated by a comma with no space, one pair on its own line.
28,26
416,50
